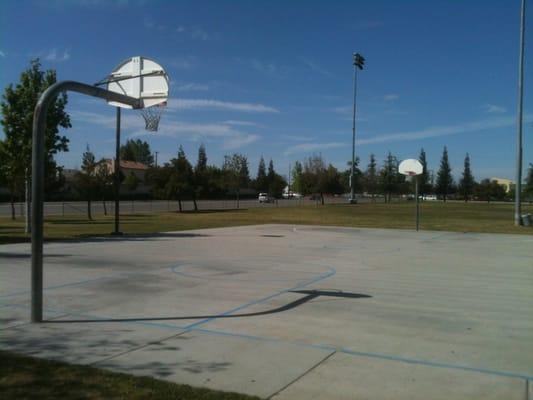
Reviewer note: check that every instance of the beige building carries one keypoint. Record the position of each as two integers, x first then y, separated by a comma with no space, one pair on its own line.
504,182
128,167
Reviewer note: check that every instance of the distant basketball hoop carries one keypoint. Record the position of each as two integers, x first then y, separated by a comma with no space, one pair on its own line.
412,167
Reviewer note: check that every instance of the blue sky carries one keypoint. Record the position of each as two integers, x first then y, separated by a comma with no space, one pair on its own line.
275,78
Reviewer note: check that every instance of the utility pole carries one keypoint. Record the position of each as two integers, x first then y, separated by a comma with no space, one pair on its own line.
518,186
156,153
358,63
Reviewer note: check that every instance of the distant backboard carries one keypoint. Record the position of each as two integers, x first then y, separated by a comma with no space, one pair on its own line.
410,167
141,78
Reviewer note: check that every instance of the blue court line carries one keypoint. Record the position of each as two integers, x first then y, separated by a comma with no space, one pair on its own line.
60,286
407,360
435,364
326,275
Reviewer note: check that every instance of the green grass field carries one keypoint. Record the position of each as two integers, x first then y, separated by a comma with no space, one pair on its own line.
451,216
24,377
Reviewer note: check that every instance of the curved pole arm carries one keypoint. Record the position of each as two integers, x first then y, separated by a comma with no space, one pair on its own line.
37,174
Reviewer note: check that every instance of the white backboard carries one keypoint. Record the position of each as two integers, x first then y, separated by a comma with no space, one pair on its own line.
410,167
142,78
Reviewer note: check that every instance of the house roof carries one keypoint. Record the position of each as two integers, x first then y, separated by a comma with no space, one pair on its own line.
132,165
128,164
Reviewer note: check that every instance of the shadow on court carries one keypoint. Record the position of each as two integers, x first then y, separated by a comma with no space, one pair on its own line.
309,295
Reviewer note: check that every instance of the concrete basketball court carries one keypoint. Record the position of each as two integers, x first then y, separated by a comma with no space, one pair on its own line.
288,312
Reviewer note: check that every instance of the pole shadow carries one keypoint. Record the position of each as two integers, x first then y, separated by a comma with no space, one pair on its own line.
309,295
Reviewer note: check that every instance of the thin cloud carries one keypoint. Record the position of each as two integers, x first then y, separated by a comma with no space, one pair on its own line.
437,131
494,109
315,67
239,123
391,97
194,33
200,34
207,104
55,55
342,109
2,54
229,137
186,62
190,87
263,67
311,147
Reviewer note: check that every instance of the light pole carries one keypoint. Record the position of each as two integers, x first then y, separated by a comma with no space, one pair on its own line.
518,186
358,63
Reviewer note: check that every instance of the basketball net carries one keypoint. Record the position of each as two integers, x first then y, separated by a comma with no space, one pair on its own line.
152,115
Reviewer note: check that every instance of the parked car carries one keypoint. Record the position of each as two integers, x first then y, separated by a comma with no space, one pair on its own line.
265,198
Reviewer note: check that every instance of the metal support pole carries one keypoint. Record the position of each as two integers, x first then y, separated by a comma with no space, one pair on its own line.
37,169
117,176
352,172
518,186
417,203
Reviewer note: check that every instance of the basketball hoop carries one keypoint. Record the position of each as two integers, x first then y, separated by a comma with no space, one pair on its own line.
152,115
146,80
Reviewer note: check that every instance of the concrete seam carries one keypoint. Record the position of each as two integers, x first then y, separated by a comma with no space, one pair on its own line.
302,375
135,348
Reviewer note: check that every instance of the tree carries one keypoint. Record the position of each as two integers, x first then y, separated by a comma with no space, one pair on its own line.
389,178
138,151
104,181
424,179
17,106
528,187
236,174
371,178
158,178
200,175
297,171
334,180
274,182
131,182
181,178
497,191
313,176
444,176
467,182
346,176
261,181
85,180
5,177
482,190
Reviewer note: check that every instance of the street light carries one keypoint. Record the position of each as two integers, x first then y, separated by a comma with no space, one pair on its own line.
518,186
358,63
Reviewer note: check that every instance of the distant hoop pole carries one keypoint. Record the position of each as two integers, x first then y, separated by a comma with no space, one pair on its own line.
417,204
37,175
